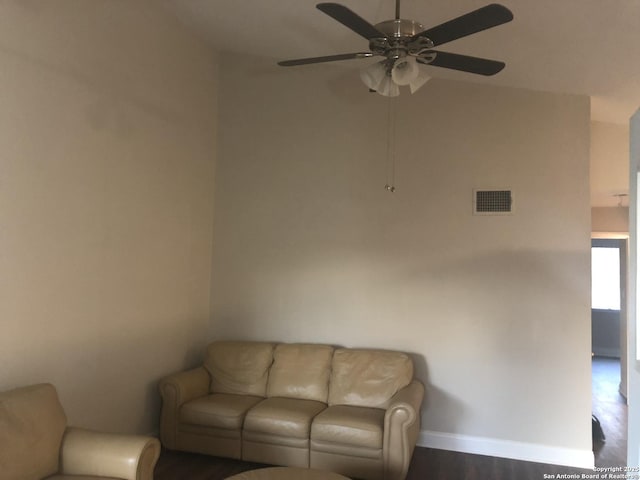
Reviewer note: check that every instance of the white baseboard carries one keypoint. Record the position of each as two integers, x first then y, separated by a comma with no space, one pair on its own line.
530,452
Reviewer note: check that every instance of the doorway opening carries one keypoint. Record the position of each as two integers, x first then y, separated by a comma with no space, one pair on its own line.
608,346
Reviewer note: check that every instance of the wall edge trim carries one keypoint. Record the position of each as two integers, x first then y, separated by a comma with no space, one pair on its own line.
531,452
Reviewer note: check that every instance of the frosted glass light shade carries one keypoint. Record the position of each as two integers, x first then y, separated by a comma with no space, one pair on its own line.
388,88
422,78
373,75
405,70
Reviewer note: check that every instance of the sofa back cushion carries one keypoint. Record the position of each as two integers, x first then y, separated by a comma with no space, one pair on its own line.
239,367
32,423
300,371
368,378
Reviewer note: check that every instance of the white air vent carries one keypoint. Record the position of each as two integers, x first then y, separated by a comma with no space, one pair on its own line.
493,202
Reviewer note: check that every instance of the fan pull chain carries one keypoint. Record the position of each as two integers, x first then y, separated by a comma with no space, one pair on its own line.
391,147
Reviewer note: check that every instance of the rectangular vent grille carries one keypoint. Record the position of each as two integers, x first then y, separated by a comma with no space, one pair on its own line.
493,202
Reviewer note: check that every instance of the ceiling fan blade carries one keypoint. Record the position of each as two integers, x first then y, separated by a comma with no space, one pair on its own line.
329,58
486,17
464,63
351,20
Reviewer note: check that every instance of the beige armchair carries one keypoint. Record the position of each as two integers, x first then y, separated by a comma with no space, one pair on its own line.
35,443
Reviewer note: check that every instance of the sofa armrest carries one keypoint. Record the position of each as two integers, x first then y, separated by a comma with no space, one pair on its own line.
130,457
176,390
401,429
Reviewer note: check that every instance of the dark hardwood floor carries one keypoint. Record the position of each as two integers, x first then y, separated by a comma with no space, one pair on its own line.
427,464
430,464
611,409
192,466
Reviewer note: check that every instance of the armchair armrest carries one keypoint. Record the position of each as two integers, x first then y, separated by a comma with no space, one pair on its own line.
401,429
176,390
130,457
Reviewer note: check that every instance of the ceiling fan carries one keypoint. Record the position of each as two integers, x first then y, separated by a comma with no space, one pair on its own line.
406,45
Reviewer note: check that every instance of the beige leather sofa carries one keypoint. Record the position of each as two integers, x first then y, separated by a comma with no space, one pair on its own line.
35,443
354,412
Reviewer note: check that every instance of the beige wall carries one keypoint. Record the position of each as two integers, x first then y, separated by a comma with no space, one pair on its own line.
107,129
610,220
308,245
609,164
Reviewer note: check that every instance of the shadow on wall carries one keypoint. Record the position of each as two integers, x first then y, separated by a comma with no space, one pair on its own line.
513,305
503,302
109,380
451,411
343,81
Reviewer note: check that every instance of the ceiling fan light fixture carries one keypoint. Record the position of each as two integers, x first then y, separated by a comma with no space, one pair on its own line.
405,70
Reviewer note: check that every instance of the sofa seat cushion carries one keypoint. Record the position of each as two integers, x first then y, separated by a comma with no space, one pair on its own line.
220,410
284,417
349,425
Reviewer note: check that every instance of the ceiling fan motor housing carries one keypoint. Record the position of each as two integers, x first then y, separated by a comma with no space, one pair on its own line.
399,39
400,28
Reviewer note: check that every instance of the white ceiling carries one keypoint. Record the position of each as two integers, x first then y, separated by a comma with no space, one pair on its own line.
587,47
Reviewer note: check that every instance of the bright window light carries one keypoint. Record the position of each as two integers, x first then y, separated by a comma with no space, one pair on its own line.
605,278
